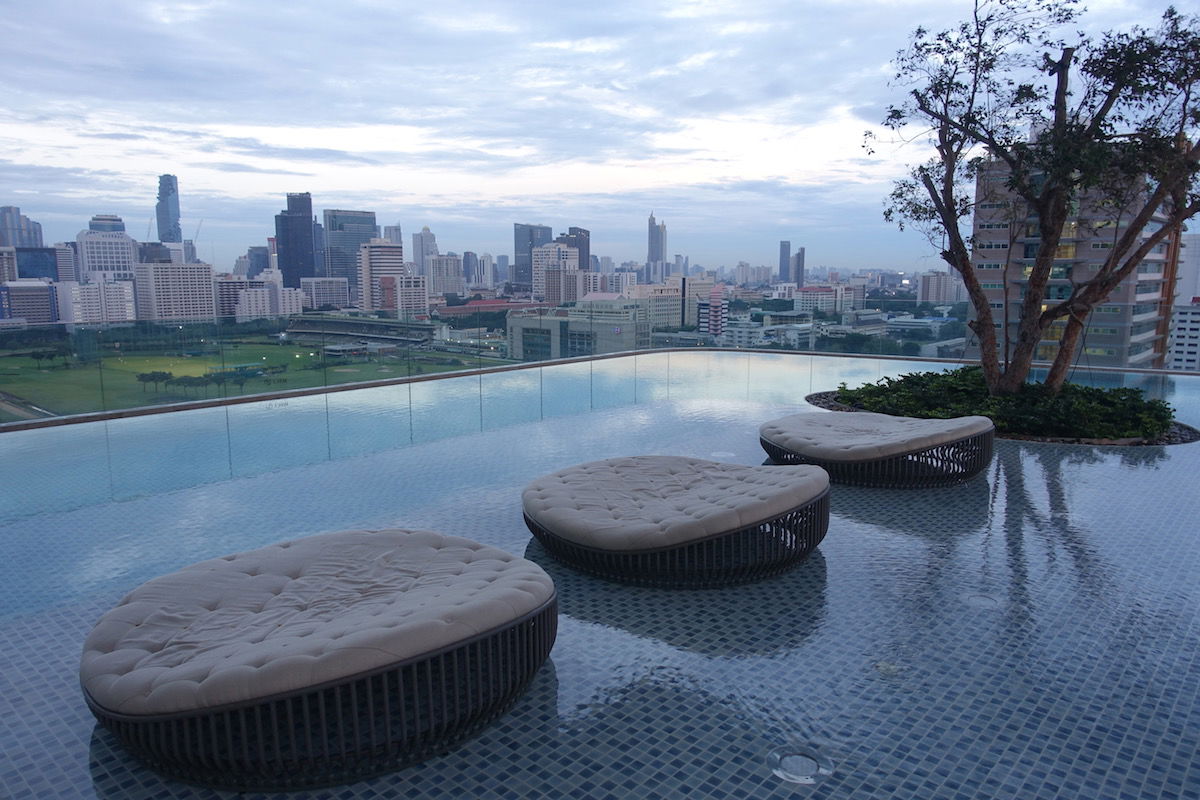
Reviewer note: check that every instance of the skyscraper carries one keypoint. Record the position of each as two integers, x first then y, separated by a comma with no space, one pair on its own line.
294,240
386,284
656,250
424,248
167,209
18,230
393,234
785,261
525,239
106,247
581,240
345,233
798,267
470,261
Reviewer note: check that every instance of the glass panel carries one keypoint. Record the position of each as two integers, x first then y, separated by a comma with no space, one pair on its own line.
511,398
566,389
277,434
161,452
369,420
448,407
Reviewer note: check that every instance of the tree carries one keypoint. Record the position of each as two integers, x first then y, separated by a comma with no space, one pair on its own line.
1115,124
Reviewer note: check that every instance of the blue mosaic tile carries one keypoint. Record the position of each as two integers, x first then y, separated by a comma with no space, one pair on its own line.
1031,633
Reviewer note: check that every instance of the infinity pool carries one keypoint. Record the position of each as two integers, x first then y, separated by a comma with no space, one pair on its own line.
1032,633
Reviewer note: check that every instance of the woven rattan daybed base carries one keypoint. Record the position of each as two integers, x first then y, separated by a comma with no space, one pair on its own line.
352,727
890,460
744,553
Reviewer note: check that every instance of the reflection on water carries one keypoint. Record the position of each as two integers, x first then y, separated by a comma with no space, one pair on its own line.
770,616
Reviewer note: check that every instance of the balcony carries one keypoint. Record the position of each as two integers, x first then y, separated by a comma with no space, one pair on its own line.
1030,632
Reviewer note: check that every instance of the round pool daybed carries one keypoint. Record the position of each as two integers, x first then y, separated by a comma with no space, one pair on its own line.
318,661
867,449
679,522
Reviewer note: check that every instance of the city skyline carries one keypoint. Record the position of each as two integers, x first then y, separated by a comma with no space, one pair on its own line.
741,125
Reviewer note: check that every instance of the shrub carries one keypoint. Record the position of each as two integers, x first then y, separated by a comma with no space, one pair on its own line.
1077,412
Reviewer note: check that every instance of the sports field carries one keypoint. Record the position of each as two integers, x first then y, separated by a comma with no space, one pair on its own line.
30,388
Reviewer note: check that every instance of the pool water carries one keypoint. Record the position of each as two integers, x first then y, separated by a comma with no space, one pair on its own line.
1031,633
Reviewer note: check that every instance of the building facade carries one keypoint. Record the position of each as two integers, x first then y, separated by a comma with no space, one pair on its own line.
525,239
18,230
295,237
345,232
1129,329
174,292
325,292
167,209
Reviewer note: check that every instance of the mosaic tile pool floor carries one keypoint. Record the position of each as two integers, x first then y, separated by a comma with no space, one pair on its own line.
1032,633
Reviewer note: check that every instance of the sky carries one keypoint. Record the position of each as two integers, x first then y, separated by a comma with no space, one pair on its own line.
737,123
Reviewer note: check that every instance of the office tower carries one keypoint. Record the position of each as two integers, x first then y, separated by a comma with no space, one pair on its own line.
785,261
32,300
444,274
258,259
388,285
106,222
155,253
167,209
37,262
580,239
424,248
798,267
656,249
501,268
393,234
91,303
345,232
938,286
68,260
18,230
485,272
525,239
174,291
470,263
294,244
553,256
1129,329
322,293
105,247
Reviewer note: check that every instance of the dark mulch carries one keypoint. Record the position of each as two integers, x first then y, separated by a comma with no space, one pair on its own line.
1178,433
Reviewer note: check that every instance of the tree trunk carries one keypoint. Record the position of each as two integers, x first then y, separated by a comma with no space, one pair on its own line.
1066,355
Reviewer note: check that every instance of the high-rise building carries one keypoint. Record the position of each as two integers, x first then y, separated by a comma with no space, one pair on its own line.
68,260
470,267
167,209
345,232
581,240
325,292
37,262
393,233
106,223
798,267
656,248
91,303
525,239
258,259
785,261
501,268
1129,329
445,274
32,300
387,283
174,291
551,256
424,248
940,286
18,230
294,240
105,247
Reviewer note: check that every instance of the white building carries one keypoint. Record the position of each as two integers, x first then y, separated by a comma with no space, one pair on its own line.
321,292
90,303
106,251
445,274
378,258
1184,348
553,255
174,291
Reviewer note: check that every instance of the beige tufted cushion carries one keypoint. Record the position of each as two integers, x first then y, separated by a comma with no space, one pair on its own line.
300,613
648,502
863,436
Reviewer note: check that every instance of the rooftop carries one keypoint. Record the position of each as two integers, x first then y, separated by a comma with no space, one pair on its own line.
1032,633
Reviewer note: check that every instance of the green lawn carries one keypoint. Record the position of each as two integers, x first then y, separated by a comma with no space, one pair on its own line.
112,383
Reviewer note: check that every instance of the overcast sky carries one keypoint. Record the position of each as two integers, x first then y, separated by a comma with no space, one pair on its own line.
737,123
